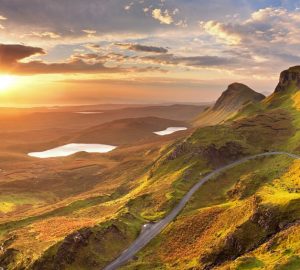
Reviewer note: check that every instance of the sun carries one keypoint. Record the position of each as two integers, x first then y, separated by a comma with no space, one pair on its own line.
6,81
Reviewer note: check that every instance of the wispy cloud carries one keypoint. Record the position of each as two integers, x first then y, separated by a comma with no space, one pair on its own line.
162,16
43,35
142,48
192,61
93,47
2,18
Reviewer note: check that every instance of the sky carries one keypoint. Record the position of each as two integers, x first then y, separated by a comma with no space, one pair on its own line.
142,51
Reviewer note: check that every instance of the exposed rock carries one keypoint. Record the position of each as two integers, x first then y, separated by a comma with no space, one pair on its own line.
219,156
8,257
267,222
215,156
179,150
287,77
67,251
245,188
267,219
7,254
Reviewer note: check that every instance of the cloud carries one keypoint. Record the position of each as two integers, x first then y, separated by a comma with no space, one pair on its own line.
109,17
75,66
12,60
191,61
46,35
11,56
175,11
142,48
93,47
151,81
90,33
11,53
162,16
222,32
269,36
96,57
2,18
264,27
128,7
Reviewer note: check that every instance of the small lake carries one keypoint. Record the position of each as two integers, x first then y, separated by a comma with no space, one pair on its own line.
169,130
72,148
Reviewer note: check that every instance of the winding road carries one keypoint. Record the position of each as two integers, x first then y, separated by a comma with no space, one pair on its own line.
152,230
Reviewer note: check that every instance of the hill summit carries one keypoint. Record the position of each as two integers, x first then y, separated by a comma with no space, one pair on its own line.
237,95
233,99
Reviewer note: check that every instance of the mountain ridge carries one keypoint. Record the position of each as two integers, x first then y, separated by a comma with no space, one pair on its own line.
233,99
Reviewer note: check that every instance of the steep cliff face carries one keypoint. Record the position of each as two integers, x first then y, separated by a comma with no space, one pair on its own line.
288,78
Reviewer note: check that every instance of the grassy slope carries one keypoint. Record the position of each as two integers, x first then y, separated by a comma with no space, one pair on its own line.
244,208
228,218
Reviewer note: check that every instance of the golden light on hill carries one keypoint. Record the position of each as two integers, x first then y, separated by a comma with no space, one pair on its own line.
6,81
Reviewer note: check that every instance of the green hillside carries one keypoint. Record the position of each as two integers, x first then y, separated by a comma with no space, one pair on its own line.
248,217
245,218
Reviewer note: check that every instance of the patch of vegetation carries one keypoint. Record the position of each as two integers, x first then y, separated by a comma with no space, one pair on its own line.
11,202
92,248
249,263
62,211
292,264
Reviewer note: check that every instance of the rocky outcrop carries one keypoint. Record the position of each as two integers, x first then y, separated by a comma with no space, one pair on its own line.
73,249
287,78
8,257
260,228
222,155
180,150
214,155
66,251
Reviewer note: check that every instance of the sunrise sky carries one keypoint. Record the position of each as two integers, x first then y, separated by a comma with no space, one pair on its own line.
142,51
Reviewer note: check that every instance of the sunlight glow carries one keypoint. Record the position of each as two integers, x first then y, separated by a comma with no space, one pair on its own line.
6,81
